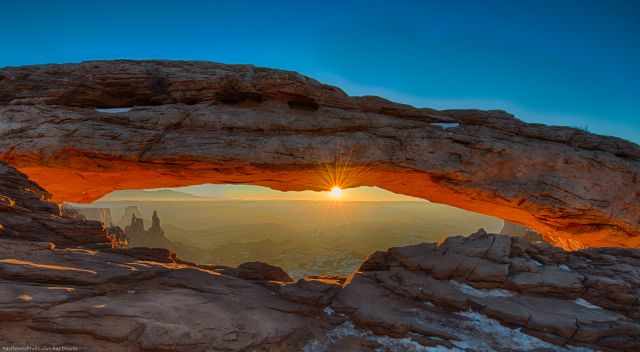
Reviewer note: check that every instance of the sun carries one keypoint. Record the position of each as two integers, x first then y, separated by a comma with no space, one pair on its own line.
336,192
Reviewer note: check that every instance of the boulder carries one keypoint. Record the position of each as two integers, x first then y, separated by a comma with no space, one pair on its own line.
259,271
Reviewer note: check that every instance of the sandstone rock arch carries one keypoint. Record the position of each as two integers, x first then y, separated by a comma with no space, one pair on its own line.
201,122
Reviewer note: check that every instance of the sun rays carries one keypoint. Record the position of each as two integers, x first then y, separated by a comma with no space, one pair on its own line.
341,174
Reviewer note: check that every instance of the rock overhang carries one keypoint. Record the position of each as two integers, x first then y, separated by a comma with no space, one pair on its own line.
198,122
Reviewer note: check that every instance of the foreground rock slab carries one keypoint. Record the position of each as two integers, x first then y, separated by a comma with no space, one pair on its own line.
495,290
114,302
83,130
451,296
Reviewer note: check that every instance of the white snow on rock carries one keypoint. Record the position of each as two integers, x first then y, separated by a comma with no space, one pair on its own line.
505,337
475,333
329,311
564,268
114,110
472,291
445,125
389,344
587,304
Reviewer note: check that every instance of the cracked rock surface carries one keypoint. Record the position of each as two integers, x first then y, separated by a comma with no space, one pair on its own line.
83,130
483,292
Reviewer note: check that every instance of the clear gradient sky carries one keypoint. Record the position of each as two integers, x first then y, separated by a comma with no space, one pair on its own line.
574,63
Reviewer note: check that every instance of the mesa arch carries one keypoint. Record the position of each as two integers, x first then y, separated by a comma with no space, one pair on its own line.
201,122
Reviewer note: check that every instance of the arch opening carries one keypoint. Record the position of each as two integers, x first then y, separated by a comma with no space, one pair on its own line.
304,232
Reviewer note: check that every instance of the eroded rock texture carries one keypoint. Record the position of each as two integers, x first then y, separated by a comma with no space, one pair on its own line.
587,297
27,213
198,122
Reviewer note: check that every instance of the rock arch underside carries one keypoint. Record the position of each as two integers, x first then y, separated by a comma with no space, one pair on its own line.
200,122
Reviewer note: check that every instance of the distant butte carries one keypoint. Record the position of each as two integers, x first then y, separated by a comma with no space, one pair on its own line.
185,123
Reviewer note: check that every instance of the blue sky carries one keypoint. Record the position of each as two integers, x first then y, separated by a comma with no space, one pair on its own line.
570,63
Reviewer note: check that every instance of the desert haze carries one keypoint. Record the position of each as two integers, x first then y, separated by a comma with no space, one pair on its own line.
304,237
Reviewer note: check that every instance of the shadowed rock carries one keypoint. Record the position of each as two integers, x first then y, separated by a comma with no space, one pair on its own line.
27,213
262,272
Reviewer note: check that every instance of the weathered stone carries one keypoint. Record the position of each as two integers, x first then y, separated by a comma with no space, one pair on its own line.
160,255
317,292
27,213
390,315
549,280
377,261
423,287
524,265
262,272
354,344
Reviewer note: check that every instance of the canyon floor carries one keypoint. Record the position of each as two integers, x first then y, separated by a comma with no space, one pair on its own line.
483,292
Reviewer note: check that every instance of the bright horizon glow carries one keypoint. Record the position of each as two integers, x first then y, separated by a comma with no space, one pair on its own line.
226,192
336,192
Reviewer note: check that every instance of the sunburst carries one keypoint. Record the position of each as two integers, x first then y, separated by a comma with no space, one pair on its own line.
340,174
335,192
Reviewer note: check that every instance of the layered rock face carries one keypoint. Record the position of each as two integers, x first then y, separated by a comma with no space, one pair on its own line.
479,293
587,297
27,213
102,215
200,122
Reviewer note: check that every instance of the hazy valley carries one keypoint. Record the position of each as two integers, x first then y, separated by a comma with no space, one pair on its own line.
303,237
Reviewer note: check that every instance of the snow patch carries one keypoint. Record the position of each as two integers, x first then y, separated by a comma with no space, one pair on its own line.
475,333
472,291
587,304
329,311
389,344
445,125
114,110
507,338
407,344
